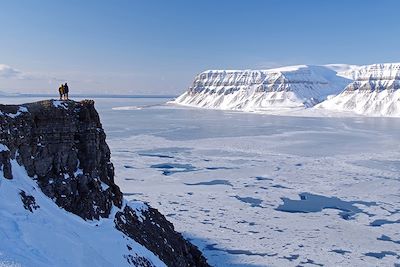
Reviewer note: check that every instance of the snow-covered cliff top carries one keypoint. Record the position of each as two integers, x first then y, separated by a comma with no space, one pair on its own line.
386,71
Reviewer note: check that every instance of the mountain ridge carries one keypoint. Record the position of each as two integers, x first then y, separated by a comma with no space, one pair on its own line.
293,87
374,91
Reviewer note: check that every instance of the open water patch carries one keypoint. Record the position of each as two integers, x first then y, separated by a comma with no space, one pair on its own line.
166,153
155,155
133,194
381,222
340,251
316,203
212,182
389,239
280,186
220,168
172,168
311,262
291,257
212,247
254,202
129,167
380,255
262,178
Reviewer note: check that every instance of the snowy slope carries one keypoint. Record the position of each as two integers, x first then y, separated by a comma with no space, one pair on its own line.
374,91
257,90
50,236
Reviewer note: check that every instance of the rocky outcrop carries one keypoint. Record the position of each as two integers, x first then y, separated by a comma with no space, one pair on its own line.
28,201
5,161
62,146
151,229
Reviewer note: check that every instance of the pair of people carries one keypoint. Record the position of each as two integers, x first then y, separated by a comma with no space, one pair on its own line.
63,90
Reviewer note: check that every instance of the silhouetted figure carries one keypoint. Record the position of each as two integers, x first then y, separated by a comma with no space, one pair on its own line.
66,91
61,90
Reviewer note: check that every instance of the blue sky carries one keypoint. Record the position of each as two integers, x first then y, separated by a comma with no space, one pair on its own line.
157,47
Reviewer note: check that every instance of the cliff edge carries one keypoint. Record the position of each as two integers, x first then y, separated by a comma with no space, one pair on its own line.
61,146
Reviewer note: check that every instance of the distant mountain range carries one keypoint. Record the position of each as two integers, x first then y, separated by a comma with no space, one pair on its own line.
368,90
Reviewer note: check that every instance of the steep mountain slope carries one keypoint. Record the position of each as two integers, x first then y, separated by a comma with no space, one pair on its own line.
53,155
374,91
256,90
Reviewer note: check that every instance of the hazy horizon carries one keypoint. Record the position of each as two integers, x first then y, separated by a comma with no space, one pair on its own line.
157,48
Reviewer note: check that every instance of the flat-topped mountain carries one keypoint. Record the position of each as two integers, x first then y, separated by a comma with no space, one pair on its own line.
252,90
370,90
59,203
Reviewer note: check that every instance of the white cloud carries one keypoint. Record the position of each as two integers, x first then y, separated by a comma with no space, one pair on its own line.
8,72
13,80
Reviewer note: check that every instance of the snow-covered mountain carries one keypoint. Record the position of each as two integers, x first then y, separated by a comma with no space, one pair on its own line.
59,204
368,90
374,91
257,90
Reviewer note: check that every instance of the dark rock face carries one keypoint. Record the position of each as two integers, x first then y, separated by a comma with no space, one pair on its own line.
138,261
5,164
62,146
28,201
153,231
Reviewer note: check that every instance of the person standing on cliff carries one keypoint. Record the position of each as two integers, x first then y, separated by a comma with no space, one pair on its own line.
61,91
66,91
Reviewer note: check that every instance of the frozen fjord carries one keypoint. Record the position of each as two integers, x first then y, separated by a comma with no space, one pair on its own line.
223,179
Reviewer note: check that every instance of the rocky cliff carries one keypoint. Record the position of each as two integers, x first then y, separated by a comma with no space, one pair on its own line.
62,147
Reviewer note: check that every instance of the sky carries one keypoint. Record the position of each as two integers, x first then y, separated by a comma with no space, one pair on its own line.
157,47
